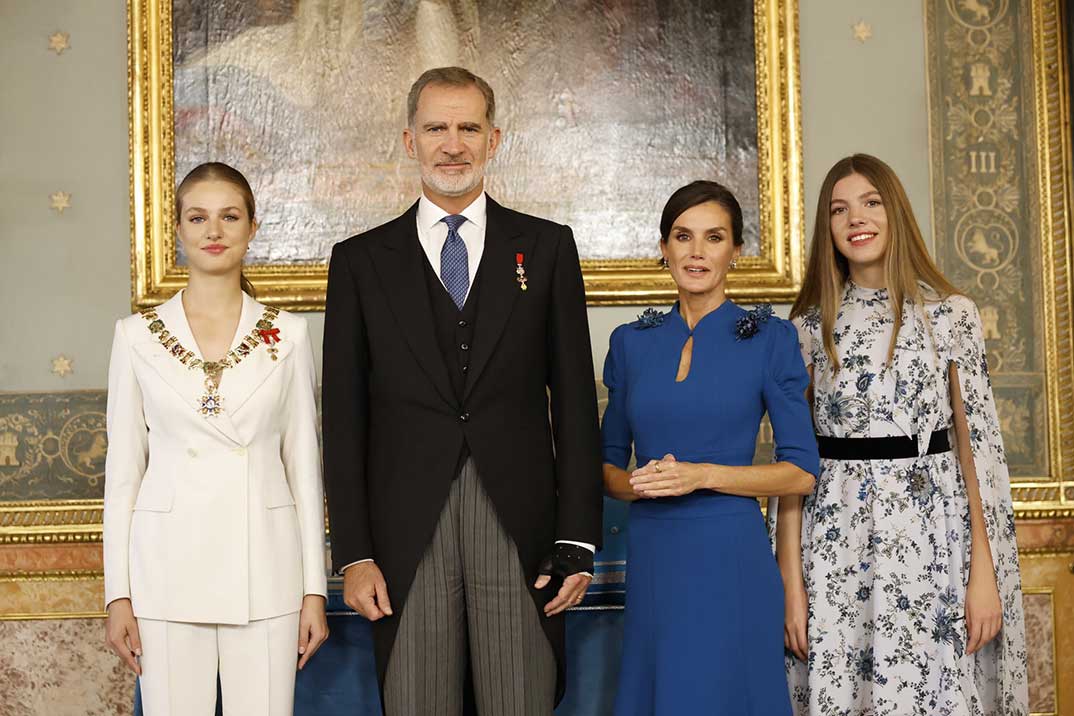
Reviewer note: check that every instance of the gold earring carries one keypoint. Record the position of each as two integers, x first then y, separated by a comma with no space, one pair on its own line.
734,263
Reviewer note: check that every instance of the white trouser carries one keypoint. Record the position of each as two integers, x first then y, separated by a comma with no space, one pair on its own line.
256,663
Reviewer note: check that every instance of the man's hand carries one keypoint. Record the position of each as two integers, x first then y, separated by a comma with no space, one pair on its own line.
365,591
574,565
570,593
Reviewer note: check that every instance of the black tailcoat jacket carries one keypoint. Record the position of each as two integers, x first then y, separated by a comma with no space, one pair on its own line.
394,426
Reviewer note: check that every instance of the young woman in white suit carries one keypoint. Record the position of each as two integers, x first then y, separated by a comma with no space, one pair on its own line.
213,508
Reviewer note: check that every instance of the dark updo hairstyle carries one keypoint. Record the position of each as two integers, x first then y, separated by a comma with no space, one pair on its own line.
701,192
218,171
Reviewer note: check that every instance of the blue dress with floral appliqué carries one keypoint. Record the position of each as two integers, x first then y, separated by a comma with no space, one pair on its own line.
704,598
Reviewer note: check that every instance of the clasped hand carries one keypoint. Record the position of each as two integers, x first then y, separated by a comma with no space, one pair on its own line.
669,478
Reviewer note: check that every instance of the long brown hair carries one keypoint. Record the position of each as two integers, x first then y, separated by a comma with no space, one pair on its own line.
218,171
906,261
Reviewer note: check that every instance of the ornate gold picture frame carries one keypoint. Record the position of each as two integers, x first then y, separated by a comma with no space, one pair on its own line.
773,274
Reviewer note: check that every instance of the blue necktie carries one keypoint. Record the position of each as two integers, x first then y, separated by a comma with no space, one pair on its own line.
454,265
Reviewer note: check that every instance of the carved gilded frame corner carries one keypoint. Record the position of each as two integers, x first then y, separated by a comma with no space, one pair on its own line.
1053,495
1048,177
774,275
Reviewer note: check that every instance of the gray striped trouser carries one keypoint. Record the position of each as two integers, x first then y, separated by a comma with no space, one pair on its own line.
469,595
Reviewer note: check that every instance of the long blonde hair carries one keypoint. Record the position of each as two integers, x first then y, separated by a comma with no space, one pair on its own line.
906,262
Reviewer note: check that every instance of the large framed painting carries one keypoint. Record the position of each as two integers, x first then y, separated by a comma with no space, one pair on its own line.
606,108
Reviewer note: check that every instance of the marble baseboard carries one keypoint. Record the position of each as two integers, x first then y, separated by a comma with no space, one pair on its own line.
61,668
1040,640
51,595
39,558
1048,535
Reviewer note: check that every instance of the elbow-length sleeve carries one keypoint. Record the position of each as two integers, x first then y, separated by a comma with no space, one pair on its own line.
785,384
124,467
615,434
990,464
301,455
805,338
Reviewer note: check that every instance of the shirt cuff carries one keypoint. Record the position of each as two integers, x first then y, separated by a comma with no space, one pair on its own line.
344,567
591,547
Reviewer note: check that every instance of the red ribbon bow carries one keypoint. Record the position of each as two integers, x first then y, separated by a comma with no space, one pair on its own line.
270,336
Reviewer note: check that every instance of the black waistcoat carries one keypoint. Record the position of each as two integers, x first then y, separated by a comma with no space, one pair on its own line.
454,328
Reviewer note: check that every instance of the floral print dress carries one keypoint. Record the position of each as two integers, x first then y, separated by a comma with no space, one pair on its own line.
886,543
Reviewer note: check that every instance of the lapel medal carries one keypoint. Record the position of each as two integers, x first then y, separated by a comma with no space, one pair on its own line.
270,337
520,272
211,403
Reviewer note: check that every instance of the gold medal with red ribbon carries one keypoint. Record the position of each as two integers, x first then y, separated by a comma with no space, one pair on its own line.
520,271
270,337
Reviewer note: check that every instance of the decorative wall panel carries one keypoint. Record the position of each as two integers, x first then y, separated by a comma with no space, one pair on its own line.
1000,182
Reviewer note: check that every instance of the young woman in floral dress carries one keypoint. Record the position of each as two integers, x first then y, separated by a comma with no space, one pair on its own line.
901,570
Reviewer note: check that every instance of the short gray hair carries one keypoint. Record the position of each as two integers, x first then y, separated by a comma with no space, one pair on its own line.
452,77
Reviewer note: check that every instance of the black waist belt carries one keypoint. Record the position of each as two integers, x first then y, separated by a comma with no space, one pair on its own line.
892,448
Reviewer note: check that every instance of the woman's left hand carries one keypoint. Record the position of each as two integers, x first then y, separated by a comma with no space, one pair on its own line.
984,612
312,627
669,478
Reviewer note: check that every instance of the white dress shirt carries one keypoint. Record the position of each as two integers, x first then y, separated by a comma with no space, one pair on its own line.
432,233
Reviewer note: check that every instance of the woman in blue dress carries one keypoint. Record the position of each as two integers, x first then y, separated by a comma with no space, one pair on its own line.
686,392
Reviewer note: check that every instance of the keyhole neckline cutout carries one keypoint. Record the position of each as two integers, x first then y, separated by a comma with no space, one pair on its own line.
677,311
686,357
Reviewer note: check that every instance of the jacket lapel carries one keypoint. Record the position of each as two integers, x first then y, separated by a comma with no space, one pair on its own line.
240,381
498,286
398,260
188,384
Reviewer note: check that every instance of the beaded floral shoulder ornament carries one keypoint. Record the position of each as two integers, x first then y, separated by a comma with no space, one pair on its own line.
748,324
211,403
649,318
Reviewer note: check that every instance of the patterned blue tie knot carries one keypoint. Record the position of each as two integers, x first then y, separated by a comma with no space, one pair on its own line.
454,222
454,262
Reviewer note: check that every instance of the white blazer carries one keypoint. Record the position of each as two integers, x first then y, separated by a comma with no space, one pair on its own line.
212,519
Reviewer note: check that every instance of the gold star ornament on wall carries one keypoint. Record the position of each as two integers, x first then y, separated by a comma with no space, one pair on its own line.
59,201
862,31
62,366
59,41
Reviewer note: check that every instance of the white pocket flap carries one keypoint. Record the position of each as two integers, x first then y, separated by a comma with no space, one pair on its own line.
155,495
277,493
